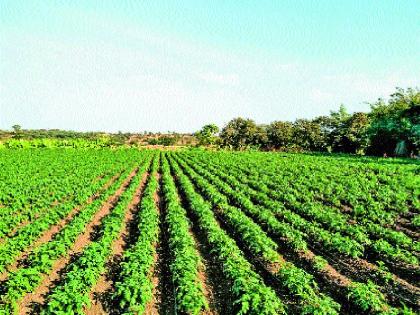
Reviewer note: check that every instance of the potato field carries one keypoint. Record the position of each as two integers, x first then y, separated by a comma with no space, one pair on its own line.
129,231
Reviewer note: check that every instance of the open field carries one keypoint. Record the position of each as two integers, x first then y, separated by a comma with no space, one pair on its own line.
128,231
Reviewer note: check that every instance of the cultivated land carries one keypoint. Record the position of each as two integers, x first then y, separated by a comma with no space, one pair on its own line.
127,231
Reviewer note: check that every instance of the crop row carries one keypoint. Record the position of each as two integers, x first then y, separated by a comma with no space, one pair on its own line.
134,286
367,191
32,180
185,261
297,199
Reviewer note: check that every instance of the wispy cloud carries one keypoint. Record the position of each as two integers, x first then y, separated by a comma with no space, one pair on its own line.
319,96
229,79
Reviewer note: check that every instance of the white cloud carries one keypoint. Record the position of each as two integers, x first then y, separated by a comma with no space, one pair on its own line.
319,96
219,78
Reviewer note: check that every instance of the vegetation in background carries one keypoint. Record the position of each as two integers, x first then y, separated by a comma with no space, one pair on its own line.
164,140
207,135
391,128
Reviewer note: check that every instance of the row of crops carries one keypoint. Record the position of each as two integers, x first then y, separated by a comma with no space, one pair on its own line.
130,231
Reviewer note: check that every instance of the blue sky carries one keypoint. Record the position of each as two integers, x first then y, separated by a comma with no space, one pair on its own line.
176,65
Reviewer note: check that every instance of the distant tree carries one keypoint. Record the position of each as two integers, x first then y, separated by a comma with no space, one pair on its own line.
260,140
168,140
280,134
153,141
16,128
240,133
344,132
119,138
338,126
308,135
395,125
17,131
207,134
356,138
326,127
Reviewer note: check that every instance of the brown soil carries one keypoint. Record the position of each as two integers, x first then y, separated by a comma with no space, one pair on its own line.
216,286
398,290
331,282
37,297
403,223
164,301
407,229
346,209
204,280
362,264
105,282
54,229
331,274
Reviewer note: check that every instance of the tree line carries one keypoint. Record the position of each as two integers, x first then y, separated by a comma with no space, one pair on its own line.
390,128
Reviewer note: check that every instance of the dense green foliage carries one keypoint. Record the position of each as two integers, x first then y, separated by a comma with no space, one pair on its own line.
391,128
207,134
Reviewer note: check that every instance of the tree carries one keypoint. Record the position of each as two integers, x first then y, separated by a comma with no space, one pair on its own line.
240,133
344,132
17,130
207,134
326,127
260,139
307,134
280,134
338,126
395,126
356,138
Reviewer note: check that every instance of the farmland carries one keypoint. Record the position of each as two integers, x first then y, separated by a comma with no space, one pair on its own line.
129,231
